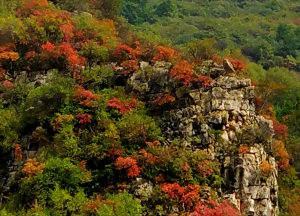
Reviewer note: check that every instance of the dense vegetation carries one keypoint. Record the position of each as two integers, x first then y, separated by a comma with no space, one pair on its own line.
93,139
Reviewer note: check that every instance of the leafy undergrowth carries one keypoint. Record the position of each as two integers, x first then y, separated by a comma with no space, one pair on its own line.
94,141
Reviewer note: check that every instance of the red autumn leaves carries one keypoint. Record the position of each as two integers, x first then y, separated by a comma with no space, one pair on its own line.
131,163
188,194
122,107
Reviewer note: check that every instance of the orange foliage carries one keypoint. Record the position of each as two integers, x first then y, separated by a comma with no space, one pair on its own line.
67,30
94,205
258,101
165,99
130,66
150,159
183,71
32,167
243,149
154,145
30,4
49,47
185,166
82,165
205,80
2,73
130,164
133,171
71,54
266,167
282,155
206,168
125,52
165,54
237,64
217,59
7,47
188,194
10,55
60,119
18,152
124,163
160,179
174,190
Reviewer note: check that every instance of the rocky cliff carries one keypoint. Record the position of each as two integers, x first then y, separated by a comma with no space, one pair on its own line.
221,119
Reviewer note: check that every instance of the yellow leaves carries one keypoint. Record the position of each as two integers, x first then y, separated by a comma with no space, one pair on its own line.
6,52
13,56
60,120
33,167
111,131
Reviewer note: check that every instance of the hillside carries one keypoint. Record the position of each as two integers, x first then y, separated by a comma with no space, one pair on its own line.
99,117
265,31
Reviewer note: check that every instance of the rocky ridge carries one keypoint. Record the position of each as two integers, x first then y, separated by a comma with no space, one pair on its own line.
218,118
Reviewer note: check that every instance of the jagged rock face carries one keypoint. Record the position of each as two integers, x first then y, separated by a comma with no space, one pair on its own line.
219,119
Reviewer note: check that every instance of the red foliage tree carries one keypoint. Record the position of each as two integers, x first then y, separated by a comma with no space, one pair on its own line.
67,30
130,66
165,99
133,170
125,52
115,151
150,159
183,71
165,54
280,130
154,145
188,194
243,149
212,208
18,152
49,47
9,84
205,167
237,64
122,107
205,80
29,56
85,97
84,118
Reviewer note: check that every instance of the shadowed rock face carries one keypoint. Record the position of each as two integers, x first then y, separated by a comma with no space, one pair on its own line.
219,118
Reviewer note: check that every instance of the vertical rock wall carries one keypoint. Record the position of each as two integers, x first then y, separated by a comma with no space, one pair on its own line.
220,119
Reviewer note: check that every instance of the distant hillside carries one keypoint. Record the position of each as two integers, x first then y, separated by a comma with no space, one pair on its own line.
266,31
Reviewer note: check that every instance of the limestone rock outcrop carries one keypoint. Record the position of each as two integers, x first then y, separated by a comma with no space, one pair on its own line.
219,118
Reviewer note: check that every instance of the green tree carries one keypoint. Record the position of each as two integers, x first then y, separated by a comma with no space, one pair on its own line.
135,11
287,38
167,9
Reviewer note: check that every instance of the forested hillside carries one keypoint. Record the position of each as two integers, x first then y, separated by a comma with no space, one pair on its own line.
92,93
265,31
